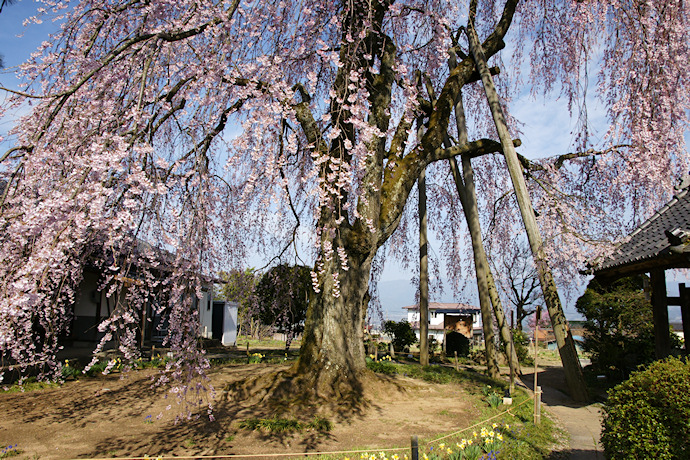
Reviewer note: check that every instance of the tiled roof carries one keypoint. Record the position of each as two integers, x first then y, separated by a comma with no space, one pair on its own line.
431,327
663,241
439,307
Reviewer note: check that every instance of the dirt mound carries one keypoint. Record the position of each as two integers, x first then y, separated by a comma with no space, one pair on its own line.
121,415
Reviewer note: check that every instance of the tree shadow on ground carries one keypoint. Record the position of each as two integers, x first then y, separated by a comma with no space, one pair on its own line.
554,387
265,393
103,402
576,454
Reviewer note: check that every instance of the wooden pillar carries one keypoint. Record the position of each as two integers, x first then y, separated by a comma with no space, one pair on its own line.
684,294
662,338
423,275
423,261
566,346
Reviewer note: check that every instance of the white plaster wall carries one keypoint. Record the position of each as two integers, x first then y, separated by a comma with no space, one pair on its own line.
206,314
230,324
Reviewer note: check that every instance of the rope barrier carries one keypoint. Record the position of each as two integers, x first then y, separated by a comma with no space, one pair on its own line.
290,454
306,454
482,422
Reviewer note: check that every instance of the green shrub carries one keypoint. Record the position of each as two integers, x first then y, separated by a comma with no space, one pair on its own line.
69,371
648,416
619,328
433,344
521,343
494,400
96,369
401,333
382,367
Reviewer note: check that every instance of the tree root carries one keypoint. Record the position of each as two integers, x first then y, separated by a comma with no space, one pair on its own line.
287,393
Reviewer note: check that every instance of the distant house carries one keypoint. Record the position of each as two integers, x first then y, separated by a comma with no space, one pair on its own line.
543,335
578,340
447,317
93,304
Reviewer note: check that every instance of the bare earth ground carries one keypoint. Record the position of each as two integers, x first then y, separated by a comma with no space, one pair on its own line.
107,417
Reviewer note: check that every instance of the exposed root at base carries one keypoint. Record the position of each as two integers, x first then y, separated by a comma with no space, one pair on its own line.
287,393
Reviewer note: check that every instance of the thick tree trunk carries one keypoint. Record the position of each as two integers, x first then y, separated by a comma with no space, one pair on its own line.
332,353
564,339
332,356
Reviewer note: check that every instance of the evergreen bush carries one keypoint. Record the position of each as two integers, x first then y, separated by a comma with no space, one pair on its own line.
401,333
648,415
619,327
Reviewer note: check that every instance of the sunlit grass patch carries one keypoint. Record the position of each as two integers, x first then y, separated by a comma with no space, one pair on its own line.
30,385
285,425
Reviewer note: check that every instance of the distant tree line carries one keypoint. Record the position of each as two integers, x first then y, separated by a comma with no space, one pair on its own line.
275,301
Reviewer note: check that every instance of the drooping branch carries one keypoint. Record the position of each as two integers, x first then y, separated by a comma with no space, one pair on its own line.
62,97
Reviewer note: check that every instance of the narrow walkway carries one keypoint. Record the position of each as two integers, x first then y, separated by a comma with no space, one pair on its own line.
581,421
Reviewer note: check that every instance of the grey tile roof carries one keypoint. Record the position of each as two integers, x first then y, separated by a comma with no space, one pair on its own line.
663,241
451,308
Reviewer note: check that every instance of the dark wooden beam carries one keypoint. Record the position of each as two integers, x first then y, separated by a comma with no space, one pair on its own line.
663,261
660,313
685,314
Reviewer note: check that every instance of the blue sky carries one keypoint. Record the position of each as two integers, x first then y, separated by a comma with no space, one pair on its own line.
546,130
16,45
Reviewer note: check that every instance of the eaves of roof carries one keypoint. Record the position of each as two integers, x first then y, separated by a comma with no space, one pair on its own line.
662,241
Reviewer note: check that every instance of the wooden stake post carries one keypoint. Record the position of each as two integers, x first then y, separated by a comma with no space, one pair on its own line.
537,389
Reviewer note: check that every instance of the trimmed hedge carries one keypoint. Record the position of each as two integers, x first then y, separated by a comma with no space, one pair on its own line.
648,415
